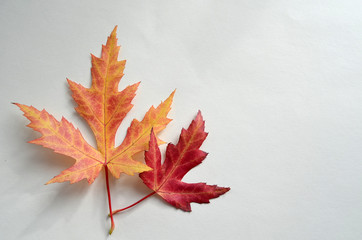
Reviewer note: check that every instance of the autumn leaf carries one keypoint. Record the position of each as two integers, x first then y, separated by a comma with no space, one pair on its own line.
104,108
165,179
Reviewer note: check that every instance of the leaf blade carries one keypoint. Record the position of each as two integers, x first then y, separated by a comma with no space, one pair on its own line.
63,138
137,137
165,179
180,194
102,105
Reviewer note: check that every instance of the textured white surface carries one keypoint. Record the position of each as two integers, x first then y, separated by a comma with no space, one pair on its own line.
279,84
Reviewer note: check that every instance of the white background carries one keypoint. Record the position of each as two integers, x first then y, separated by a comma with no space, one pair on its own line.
279,84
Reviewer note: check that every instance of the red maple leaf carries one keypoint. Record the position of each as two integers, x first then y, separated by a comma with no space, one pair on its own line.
165,179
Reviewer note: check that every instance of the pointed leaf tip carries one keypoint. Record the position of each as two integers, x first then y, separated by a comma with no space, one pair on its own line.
113,35
199,117
114,32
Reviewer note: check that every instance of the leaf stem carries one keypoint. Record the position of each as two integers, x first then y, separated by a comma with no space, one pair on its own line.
132,205
109,200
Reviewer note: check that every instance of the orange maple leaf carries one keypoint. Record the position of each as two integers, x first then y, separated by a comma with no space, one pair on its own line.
104,108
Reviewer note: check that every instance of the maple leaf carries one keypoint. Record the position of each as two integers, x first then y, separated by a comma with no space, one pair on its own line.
104,108
165,179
